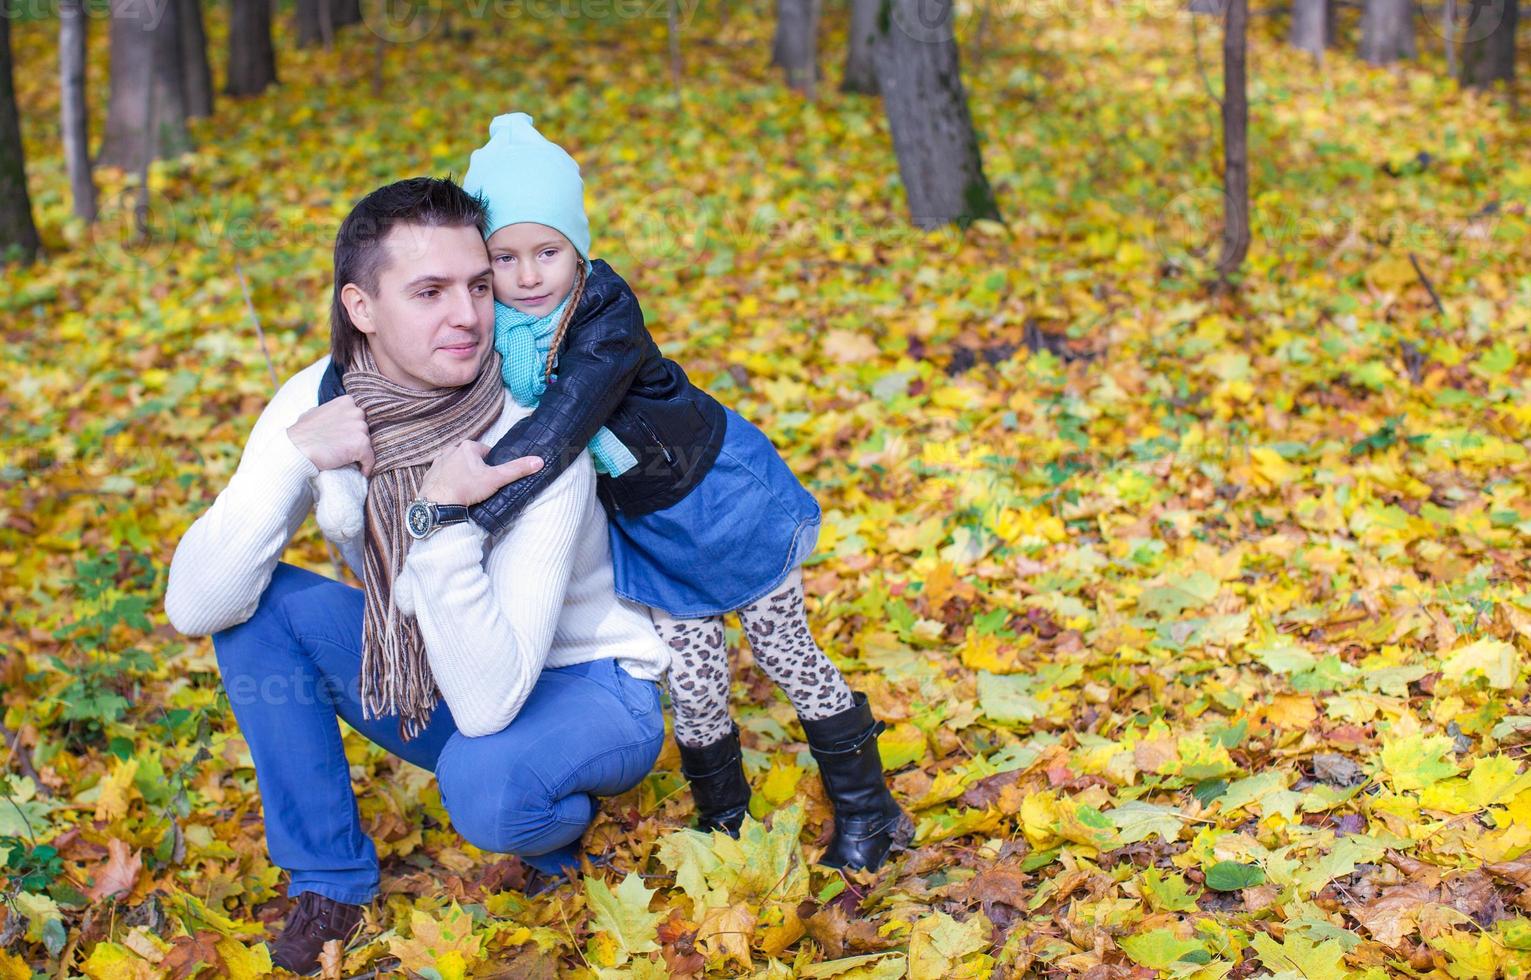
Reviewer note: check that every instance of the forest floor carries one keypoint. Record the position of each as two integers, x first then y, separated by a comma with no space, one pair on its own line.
1201,630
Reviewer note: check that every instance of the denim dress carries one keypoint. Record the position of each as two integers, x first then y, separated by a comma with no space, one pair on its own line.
730,541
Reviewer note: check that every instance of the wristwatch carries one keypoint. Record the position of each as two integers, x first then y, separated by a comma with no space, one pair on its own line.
425,516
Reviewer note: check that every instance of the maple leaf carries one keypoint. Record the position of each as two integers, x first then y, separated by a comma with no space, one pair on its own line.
940,946
110,961
244,962
724,933
1297,956
189,955
1415,761
1159,949
1496,661
120,872
437,943
114,800
622,915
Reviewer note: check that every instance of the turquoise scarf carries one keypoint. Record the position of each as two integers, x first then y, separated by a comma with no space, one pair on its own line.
523,341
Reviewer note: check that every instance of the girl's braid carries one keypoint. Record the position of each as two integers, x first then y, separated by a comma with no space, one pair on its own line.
575,293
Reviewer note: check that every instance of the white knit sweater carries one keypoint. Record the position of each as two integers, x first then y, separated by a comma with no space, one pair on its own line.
539,596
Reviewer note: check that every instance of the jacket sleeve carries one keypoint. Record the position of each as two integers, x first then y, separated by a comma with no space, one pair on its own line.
594,374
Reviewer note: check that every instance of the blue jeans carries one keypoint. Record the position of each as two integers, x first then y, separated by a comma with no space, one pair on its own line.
294,668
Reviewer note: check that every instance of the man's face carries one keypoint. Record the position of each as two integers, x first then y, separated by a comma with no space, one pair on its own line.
431,320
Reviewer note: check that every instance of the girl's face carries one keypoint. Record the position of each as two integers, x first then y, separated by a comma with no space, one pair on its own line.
533,265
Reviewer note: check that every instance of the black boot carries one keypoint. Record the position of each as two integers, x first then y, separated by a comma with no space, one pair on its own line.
716,775
868,821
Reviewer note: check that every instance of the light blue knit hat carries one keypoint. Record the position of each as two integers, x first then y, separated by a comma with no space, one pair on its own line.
524,176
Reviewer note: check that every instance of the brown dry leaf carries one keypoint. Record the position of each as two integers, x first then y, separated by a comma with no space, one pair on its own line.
120,872
1394,914
827,927
190,954
849,347
1258,897
725,933
145,944
330,958
1151,755
1518,870
1473,894
529,964
999,885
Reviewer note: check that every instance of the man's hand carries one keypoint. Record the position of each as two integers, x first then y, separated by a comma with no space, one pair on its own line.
334,435
460,475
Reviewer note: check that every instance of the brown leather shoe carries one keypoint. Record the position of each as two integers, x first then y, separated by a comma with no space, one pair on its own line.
313,921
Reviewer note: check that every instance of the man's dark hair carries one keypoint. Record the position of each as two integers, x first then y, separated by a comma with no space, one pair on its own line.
433,202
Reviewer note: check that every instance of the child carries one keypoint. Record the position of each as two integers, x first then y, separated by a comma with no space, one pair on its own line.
705,517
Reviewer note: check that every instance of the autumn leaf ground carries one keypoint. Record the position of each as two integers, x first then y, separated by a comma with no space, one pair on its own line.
1201,631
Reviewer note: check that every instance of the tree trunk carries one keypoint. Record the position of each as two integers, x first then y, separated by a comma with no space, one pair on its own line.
74,118
921,84
672,28
777,39
1235,140
252,62
1387,31
860,66
198,76
1488,48
306,21
146,68
345,12
17,232
798,44
1312,26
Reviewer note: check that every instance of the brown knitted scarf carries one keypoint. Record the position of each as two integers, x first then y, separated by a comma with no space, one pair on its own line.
408,429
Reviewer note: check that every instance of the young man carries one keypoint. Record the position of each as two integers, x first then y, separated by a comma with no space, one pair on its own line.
549,680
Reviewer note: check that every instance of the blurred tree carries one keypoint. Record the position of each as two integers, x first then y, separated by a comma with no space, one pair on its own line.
1312,27
860,66
776,37
17,232
252,61
313,22
922,93
74,116
316,21
1488,48
797,44
1387,31
345,12
146,110
1236,231
198,76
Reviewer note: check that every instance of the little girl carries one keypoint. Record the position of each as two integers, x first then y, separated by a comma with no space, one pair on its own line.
705,516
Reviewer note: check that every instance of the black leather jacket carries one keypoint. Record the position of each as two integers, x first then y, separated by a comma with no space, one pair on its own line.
610,373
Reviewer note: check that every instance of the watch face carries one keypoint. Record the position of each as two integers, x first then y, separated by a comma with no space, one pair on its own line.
418,518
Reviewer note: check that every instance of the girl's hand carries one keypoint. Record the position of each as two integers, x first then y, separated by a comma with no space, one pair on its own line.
460,475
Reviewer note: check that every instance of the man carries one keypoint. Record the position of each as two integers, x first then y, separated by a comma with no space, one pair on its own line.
548,678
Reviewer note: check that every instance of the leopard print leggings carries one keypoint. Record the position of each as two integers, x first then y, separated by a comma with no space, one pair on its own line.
777,628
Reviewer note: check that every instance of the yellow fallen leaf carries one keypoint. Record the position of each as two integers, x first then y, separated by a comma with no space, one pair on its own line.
1495,661
116,791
